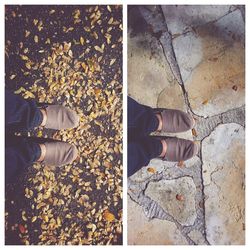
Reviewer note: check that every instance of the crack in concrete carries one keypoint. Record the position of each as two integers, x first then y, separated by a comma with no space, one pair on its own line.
204,127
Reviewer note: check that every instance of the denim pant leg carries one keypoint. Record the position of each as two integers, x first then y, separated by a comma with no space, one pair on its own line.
141,151
141,147
19,154
20,114
141,118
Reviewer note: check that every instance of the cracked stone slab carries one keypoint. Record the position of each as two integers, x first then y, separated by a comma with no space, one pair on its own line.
164,192
197,237
223,174
217,83
147,66
142,231
181,17
188,52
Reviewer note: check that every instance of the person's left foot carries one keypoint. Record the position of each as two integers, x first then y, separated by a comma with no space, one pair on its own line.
178,149
57,153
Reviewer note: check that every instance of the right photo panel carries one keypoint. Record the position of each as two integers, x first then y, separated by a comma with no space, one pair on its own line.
186,125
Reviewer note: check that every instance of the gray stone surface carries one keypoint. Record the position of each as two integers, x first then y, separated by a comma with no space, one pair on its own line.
166,194
151,232
202,50
180,18
224,181
147,66
189,53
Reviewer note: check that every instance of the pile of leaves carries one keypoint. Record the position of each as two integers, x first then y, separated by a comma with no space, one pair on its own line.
69,55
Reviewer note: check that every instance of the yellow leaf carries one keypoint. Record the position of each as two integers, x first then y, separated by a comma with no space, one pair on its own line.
112,61
109,8
12,77
151,170
28,94
205,102
36,39
194,132
25,58
28,66
108,216
27,33
22,89
33,218
98,49
81,40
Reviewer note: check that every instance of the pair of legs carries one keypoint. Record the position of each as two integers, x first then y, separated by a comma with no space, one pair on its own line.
143,120
24,115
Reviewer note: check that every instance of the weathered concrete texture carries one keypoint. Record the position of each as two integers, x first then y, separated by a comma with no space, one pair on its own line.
180,18
188,52
211,61
147,67
197,237
204,50
223,175
204,126
176,197
150,232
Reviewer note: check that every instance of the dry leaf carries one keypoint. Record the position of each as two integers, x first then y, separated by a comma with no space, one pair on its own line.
81,40
22,229
181,164
108,216
205,102
12,77
151,170
36,39
194,133
112,61
180,197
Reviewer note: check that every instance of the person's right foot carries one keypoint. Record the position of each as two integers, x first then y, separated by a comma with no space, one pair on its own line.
173,120
178,149
59,117
57,153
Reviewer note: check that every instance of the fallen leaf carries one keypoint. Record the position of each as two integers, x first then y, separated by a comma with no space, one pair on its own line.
235,88
81,40
181,164
194,133
108,216
22,229
151,170
36,39
112,61
180,197
12,77
205,102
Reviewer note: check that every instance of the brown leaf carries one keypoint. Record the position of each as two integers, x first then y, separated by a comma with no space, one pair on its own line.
181,164
194,133
151,170
36,39
205,102
108,216
180,197
22,229
235,88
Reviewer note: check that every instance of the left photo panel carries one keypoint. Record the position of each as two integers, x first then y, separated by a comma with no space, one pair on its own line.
63,125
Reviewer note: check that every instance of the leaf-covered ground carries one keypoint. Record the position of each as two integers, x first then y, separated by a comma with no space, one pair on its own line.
70,55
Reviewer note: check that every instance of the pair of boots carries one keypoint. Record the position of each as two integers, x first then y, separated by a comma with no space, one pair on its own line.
58,153
176,121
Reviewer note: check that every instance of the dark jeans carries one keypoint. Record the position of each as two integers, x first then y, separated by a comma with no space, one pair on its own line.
141,147
20,116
